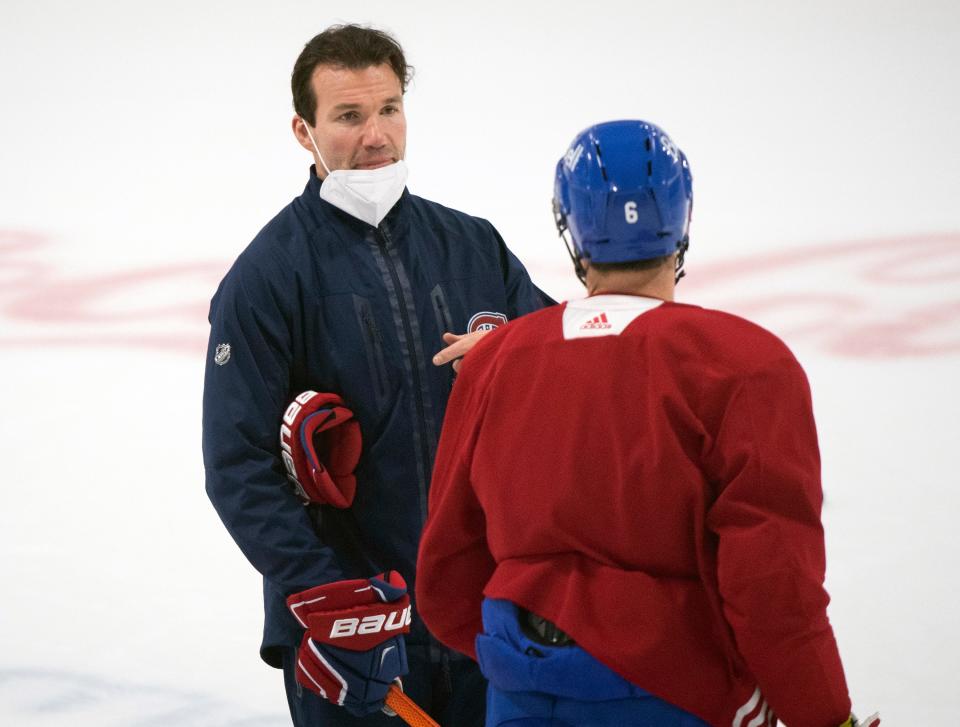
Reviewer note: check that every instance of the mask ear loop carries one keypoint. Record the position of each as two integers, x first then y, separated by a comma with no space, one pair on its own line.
313,141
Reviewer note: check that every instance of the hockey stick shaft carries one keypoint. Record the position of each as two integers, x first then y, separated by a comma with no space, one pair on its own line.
407,709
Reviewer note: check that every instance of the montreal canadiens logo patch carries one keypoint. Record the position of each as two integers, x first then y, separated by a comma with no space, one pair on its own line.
486,321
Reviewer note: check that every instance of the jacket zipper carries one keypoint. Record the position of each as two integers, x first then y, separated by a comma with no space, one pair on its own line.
383,240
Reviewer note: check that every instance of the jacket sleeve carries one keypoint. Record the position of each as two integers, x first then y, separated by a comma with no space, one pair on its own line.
522,295
770,560
454,562
246,390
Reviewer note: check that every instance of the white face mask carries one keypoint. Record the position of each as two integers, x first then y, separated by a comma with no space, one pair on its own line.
367,194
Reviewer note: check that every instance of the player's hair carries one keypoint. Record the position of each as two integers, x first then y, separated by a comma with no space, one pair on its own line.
648,264
345,46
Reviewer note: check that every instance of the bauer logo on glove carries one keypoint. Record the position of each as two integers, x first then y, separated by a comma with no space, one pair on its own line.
320,444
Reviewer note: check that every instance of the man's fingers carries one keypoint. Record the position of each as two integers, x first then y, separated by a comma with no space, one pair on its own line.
453,351
459,345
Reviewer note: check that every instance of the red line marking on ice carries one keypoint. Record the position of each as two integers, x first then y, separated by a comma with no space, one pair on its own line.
72,301
192,345
889,297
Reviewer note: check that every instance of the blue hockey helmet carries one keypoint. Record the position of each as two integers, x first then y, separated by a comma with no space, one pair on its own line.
623,192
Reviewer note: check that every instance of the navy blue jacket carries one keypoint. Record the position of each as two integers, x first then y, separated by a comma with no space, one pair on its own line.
320,300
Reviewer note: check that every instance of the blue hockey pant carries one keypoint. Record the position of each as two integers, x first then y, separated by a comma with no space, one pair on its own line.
532,685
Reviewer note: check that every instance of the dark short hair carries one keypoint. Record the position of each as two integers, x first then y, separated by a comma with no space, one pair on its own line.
648,264
344,46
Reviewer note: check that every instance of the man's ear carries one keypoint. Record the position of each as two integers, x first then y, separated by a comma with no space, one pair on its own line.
299,127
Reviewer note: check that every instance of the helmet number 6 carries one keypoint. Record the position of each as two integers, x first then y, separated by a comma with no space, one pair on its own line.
630,211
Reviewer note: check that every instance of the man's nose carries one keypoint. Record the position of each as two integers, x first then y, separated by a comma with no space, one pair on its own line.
373,135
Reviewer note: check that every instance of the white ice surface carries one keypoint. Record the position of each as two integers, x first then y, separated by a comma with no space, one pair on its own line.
143,145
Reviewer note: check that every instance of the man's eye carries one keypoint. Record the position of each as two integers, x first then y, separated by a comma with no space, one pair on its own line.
387,110
348,116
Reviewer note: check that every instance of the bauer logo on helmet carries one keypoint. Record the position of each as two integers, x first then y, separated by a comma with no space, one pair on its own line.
666,143
572,156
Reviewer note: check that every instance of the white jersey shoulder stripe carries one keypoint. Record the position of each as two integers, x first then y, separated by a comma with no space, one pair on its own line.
747,708
760,719
604,315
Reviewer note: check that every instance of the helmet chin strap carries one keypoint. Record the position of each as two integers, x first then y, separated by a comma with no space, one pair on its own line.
564,231
682,248
577,262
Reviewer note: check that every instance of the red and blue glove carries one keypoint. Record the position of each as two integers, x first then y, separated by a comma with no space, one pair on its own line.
353,649
320,445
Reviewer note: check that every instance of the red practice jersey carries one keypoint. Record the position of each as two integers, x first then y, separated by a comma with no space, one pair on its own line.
646,475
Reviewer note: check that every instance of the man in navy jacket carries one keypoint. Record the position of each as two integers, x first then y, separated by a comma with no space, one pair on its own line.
349,289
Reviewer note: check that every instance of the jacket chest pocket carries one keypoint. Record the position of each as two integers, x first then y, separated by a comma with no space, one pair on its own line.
441,310
373,347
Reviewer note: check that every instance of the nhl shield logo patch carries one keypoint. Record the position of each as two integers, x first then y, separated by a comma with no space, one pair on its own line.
485,321
222,354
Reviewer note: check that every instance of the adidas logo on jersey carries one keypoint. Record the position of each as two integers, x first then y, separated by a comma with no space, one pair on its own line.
599,321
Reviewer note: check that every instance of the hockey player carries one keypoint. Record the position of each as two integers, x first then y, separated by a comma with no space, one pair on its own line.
624,522
349,290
